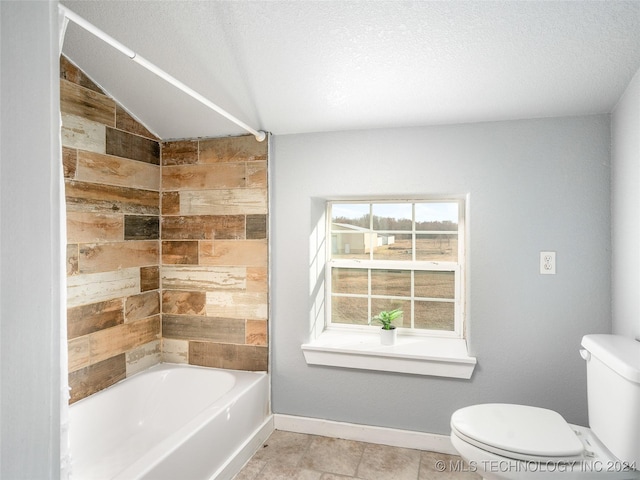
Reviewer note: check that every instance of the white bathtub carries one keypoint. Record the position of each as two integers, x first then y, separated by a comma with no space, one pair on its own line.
170,422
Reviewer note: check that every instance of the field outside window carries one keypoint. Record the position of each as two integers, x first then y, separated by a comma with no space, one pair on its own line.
397,254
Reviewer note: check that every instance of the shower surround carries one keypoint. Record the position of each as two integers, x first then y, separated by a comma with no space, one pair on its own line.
167,256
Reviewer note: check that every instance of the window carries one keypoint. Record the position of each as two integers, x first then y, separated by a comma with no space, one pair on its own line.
397,254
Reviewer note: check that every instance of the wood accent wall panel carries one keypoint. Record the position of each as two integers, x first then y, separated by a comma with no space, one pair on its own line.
97,377
99,287
215,252
126,122
106,257
83,134
86,103
223,202
89,227
237,357
161,236
149,278
111,166
141,227
111,170
232,149
203,227
86,319
135,147
92,197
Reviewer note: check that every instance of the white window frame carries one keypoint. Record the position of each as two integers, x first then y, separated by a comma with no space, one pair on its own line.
458,268
417,352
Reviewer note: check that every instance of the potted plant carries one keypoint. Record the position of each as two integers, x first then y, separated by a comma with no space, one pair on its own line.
388,330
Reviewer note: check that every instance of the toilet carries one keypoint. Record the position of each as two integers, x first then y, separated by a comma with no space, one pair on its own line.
508,441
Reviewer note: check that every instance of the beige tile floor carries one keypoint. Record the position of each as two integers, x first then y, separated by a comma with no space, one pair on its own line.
288,455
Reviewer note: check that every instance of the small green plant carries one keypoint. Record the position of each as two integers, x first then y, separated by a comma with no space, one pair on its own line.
386,318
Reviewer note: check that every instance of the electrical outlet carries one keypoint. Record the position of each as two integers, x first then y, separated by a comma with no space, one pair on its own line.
548,263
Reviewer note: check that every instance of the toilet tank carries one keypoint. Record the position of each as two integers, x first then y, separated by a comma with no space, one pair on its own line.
613,393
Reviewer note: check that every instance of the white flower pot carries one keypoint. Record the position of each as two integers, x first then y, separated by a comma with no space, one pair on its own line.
388,337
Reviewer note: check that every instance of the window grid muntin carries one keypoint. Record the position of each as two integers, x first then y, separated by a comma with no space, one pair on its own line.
411,265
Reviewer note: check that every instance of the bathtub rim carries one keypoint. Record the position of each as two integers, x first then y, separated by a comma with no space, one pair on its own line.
159,452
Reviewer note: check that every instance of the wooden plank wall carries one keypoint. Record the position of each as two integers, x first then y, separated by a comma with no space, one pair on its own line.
112,180
214,252
167,251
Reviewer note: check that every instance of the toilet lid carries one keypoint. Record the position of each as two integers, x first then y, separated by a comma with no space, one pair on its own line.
518,429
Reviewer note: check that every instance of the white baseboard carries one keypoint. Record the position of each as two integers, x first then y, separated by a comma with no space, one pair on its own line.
365,433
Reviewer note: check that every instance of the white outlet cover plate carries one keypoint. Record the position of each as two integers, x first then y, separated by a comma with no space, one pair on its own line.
547,263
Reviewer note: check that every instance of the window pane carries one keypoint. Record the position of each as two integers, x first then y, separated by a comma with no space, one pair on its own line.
434,315
437,247
434,284
350,310
350,244
349,280
392,216
350,214
391,282
437,216
380,304
392,246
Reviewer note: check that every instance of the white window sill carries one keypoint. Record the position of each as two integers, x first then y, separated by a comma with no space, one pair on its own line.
442,357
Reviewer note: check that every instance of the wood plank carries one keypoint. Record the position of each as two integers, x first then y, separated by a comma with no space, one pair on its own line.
197,278
91,197
256,332
142,306
111,170
143,357
256,227
69,162
135,147
180,252
249,305
68,71
99,287
97,377
104,257
183,302
113,341
83,134
198,177
237,201
78,353
88,227
257,279
203,227
86,103
72,259
90,318
175,351
149,278
257,176
170,203
232,149
180,152
126,122
234,252
236,357
141,227
194,327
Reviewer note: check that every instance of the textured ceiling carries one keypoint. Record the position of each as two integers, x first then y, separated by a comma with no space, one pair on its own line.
310,66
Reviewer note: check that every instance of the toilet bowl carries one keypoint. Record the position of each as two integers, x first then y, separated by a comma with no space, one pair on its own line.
505,441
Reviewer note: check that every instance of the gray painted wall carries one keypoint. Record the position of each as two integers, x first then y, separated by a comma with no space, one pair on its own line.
534,185
625,210
30,244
